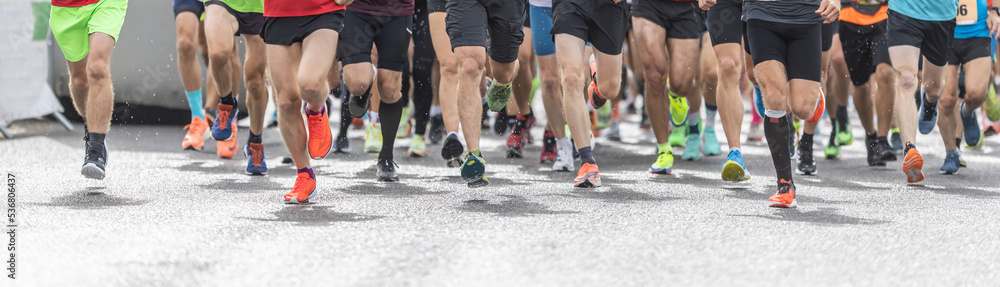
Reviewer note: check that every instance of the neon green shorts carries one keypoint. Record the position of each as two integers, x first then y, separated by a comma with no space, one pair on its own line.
72,26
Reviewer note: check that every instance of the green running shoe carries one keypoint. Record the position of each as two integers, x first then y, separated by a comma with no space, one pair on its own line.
678,110
664,163
535,84
474,169
405,126
677,136
418,148
844,135
373,139
604,117
832,151
497,96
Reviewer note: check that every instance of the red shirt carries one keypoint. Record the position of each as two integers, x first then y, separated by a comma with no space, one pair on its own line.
73,3
298,8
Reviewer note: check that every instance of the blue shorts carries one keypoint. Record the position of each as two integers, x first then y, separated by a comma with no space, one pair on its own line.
193,6
541,23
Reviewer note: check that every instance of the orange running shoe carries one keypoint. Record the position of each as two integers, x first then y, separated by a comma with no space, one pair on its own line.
302,190
588,176
357,123
913,164
194,139
320,135
820,108
594,128
227,149
785,197
594,97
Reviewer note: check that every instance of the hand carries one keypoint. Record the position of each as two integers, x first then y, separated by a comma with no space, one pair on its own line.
706,4
618,1
344,2
993,22
829,10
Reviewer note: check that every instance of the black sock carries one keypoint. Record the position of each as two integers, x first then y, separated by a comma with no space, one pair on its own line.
776,131
693,129
86,130
587,155
833,133
345,118
254,138
390,114
229,100
958,142
842,115
806,139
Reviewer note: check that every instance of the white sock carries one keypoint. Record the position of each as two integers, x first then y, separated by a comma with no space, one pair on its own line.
435,111
694,118
735,149
774,114
564,142
710,117
453,133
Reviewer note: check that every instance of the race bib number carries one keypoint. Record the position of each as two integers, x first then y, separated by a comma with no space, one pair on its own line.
968,13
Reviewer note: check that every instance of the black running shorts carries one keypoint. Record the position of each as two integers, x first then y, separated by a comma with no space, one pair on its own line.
249,23
796,46
965,50
865,47
932,37
603,23
828,31
724,24
193,6
390,35
682,20
471,22
289,30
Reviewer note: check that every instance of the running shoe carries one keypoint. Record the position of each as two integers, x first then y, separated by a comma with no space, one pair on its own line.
990,130
474,170
227,149
885,151
95,161
502,122
735,170
992,106
604,117
358,104
756,133
373,138
614,131
595,99
928,116
785,197
564,158
588,176
515,144
831,151
452,150
594,129
194,139
874,156
644,123
405,126
951,163
303,189
224,128
497,96
418,148
548,148
895,140
254,152
758,101
320,135
664,163
386,170
970,127
711,142
807,164
678,110
436,133
357,123
844,135
677,136
913,164
820,109
692,151
342,144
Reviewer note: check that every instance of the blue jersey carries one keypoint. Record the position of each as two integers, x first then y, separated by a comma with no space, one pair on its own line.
927,10
971,20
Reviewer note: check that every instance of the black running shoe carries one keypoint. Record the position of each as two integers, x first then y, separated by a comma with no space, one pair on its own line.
358,104
807,165
95,160
436,129
501,122
452,151
341,144
386,170
885,151
874,158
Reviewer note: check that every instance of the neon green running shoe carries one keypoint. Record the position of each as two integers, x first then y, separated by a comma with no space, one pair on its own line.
373,139
832,151
992,105
677,136
664,163
418,148
404,128
604,117
678,110
497,96
844,135
536,83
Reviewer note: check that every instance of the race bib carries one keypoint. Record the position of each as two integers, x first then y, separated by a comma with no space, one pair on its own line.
968,13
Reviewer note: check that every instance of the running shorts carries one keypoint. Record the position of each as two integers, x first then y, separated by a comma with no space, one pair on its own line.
796,46
288,30
968,49
932,37
72,26
602,23
471,22
682,20
541,19
865,47
250,23
361,31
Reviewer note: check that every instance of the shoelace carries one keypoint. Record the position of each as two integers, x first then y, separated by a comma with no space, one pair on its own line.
256,155
928,114
223,119
95,154
300,184
388,162
315,123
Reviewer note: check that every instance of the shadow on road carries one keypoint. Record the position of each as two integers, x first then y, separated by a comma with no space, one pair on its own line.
512,206
92,198
312,215
257,184
616,194
746,193
823,216
391,189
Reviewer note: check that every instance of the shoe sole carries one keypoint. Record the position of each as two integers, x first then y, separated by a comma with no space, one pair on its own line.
194,148
514,153
782,205
668,171
588,184
388,179
417,154
478,183
733,172
295,201
453,162
915,166
92,171
800,172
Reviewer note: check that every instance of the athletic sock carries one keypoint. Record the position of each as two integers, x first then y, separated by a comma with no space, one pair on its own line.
566,142
693,119
710,112
452,133
435,111
309,170
392,113
776,128
806,138
732,149
664,147
958,142
833,134
953,151
229,100
254,138
842,115
309,111
195,103
372,117
522,122
587,155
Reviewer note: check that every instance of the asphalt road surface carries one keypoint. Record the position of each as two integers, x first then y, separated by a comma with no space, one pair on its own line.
167,217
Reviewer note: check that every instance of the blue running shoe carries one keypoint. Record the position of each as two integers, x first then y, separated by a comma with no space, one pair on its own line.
970,126
255,155
951,163
928,116
735,169
474,170
758,101
222,130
